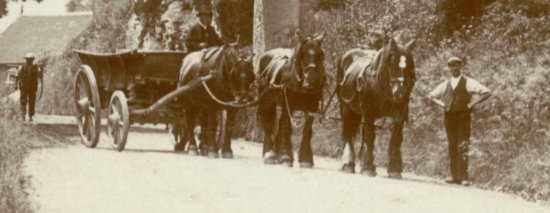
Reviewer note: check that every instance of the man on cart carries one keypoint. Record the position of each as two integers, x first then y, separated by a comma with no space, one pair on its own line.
202,35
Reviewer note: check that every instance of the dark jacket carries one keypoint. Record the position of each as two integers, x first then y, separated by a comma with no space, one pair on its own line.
198,34
27,78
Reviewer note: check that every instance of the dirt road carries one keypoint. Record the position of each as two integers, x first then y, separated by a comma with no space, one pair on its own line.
149,177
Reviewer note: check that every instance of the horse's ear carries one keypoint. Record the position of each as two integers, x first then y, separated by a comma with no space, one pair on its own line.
393,44
299,37
386,35
360,84
319,38
237,39
411,45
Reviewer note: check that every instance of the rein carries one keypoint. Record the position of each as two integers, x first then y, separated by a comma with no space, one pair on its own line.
288,108
232,104
350,99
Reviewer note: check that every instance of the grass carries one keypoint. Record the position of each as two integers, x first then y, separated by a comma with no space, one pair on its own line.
16,140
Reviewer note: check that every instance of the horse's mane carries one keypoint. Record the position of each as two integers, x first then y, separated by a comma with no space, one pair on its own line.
382,75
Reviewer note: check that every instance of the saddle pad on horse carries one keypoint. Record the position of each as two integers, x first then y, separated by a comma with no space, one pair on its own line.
196,59
210,52
276,65
357,68
274,69
362,62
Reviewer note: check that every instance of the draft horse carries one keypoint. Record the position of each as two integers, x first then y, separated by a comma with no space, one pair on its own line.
231,86
372,85
292,78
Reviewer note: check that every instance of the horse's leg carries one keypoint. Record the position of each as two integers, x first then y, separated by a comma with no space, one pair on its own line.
190,116
285,134
227,128
266,113
305,155
178,131
220,127
350,125
395,162
203,122
369,135
211,127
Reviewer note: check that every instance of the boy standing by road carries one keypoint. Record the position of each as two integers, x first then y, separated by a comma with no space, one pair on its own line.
455,96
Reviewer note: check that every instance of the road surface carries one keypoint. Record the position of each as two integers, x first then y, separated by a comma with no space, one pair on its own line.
148,177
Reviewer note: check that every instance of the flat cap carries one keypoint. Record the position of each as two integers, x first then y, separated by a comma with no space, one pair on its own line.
29,55
453,60
203,9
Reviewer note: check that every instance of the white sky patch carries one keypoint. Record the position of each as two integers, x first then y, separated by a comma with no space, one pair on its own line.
32,8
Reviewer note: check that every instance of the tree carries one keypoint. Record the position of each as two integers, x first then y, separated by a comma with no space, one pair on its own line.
457,13
4,6
79,5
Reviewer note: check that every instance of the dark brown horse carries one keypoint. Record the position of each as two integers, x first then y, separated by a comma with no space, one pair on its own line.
231,85
292,79
372,85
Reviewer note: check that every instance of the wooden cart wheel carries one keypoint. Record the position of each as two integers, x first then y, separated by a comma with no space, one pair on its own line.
118,120
87,106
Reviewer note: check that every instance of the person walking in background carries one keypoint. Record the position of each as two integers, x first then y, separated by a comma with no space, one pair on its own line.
27,83
202,35
455,97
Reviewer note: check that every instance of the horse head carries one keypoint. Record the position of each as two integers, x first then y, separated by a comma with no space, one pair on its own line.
308,68
240,73
394,66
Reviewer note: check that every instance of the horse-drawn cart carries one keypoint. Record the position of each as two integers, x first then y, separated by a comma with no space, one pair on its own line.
130,87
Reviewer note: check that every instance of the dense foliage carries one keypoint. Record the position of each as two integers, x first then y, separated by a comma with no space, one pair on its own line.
79,5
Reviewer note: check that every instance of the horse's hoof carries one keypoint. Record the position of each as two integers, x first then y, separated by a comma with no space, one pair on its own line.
395,175
270,158
212,155
349,168
180,147
370,173
306,165
287,163
270,161
227,155
192,150
286,160
204,152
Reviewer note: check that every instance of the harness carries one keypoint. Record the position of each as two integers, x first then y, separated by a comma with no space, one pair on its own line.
276,64
220,72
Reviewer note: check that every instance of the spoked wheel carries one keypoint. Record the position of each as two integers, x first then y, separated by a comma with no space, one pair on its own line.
87,106
118,120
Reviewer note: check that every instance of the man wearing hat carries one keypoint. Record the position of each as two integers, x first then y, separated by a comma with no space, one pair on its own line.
27,82
202,35
455,97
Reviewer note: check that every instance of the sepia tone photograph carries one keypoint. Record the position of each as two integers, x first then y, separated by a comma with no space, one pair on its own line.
275,106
